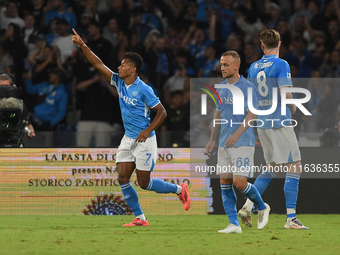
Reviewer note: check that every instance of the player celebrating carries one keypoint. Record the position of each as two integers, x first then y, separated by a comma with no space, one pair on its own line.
236,146
279,142
138,148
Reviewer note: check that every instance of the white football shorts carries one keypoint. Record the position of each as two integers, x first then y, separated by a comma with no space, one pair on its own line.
279,145
238,161
143,154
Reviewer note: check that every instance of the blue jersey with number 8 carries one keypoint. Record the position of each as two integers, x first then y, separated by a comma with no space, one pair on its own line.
267,73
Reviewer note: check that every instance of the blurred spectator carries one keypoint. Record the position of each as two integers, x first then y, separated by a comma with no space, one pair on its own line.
53,31
234,42
152,15
315,88
158,63
327,107
175,83
174,38
227,18
62,41
333,33
248,23
119,11
177,8
30,33
190,13
44,59
57,8
300,56
211,62
97,43
196,41
9,14
14,47
249,56
117,53
202,7
138,27
178,120
329,138
330,11
299,10
37,9
110,32
83,25
95,98
53,101
283,28
332,68
320,51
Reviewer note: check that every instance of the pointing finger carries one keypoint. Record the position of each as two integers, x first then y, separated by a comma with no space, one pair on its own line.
74,31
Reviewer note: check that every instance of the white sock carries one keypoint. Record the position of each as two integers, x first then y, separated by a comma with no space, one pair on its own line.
248,205
141,217
179,189
291,211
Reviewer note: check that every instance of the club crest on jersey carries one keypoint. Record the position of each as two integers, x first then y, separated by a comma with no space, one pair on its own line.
135,93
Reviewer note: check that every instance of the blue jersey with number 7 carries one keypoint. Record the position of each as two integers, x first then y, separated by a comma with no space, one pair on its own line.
267,73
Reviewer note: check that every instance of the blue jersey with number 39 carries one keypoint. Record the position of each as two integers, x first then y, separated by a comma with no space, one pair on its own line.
267,73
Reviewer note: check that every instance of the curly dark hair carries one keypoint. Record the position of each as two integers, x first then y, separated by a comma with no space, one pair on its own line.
136,59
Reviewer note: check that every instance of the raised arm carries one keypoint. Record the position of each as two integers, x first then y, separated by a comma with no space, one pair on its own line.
94,60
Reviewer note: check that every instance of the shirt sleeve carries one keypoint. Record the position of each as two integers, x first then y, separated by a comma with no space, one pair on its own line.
283,75
149,97
115,79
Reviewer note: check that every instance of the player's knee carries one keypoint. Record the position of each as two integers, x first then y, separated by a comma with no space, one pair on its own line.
143,183
123,179
240,183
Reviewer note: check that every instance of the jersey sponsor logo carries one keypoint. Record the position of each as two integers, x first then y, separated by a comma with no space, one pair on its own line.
128,100
227,100
265,102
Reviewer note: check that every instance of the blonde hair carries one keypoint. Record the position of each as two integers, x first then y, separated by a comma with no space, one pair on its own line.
270,38
232,53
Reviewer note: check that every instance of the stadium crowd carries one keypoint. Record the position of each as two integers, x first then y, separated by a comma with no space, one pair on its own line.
178,40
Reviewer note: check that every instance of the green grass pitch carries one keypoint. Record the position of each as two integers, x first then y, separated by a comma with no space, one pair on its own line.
179,234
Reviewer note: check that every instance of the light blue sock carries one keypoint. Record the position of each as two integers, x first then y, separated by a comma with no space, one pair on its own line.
160,186
291,189
263,180
131,198
252,193
229,203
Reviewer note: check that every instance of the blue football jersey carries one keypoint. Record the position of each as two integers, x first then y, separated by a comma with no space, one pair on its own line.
135,102
234,121
267,73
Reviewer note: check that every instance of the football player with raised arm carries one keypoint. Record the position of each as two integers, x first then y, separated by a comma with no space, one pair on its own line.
138,148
